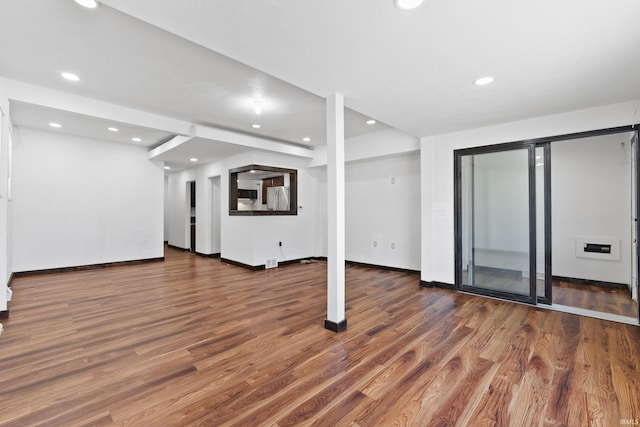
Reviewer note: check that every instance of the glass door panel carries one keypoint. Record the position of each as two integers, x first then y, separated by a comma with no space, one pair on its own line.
497,224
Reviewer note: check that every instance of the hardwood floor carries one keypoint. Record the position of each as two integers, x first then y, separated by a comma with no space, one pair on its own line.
608,300
193,341
590,297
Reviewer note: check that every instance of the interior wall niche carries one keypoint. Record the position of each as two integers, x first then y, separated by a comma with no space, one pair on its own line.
256,190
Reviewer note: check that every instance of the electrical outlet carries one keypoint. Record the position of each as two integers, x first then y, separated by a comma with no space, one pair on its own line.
393,180
375,243
279,243
393,246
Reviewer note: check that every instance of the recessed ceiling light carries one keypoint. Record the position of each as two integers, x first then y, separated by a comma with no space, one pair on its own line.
136,139
483,81
91,4
193,159
167,167
252,171
70,76
55,125
408,4
256,126
371,122
306,139
112,129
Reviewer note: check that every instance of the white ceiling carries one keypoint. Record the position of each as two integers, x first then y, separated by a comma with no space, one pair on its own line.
125,61
414,69
38,117
204,62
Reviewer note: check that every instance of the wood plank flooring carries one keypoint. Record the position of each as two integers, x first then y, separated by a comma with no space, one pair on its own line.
590,297
193,341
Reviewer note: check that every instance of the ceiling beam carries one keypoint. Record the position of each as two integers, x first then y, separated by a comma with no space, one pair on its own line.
174,142
250,141
50,98
31,94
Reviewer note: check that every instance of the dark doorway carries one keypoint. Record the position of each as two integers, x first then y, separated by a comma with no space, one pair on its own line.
192,222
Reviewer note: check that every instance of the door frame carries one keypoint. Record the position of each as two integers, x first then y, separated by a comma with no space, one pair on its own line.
548,279
547,171
488,149
636,152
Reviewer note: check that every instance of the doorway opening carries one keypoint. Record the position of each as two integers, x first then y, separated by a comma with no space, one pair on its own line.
552,221
496,227
191,191
216,209
593,220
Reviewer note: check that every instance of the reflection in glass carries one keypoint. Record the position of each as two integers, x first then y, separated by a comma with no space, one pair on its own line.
495,221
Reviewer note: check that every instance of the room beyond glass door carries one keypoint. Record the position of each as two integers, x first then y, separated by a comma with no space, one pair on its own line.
496,221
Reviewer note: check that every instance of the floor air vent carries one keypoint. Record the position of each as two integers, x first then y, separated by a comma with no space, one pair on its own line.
271,263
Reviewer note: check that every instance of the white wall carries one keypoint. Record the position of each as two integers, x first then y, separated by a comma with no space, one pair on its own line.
318,204
216,206
179,212
166,208
375,209
246,239
81,201
591,196
383,205
5,206
437,255
384,143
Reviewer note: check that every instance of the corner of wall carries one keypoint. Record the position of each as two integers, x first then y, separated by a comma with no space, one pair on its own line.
5,216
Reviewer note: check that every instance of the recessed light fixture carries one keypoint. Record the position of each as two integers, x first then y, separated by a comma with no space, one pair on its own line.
407,4
112,129
256,126
70,76
167,168
252,171
371,122
55,125
483,81
193,159
136,139
306,139
539,164
91,4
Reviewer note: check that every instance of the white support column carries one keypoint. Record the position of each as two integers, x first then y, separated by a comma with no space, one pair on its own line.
336,320
427,157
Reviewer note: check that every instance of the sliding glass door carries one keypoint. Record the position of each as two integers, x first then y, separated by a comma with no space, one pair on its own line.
496,221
